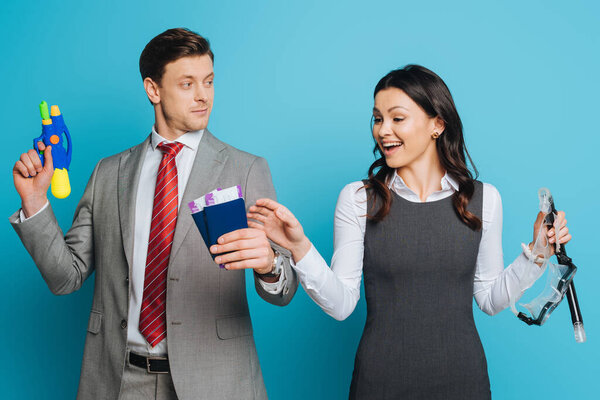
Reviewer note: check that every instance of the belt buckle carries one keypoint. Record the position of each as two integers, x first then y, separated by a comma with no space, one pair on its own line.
148,359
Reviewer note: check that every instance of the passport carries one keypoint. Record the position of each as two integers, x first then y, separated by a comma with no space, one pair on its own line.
219,212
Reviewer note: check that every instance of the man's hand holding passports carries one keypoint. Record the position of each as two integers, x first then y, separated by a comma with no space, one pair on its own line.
221,219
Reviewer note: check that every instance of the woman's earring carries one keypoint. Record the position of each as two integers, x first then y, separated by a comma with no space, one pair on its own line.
435,135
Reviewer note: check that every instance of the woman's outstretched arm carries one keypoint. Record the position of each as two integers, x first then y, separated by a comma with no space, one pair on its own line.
335,290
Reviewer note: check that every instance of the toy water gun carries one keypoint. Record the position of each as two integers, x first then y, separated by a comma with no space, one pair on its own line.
53,128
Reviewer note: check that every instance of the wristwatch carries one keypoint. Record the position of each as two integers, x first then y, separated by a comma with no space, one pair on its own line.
275,267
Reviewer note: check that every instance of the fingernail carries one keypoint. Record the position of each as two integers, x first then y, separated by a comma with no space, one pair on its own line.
220,240
218,260
213,249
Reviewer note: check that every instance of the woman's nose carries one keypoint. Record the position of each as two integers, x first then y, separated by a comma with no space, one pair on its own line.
384,130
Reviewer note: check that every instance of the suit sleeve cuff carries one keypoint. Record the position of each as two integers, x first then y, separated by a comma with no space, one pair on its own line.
17,219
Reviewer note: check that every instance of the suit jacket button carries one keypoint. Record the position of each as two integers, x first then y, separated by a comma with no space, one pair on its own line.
127,280
124,324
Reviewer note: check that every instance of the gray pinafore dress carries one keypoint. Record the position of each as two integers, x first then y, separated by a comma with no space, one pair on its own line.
420,340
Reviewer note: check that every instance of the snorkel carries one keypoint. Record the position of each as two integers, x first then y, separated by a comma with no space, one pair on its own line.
563,259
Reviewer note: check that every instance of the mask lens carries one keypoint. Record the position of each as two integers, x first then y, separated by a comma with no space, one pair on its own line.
540,308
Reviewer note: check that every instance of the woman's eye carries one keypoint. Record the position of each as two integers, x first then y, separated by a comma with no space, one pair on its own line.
377,120
398,119
208,83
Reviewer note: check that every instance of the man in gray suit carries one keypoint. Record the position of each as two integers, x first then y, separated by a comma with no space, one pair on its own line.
184,331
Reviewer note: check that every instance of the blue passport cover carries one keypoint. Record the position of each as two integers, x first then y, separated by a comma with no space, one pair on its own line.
215,221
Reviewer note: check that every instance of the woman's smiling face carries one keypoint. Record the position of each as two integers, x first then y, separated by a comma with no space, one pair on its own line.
403,130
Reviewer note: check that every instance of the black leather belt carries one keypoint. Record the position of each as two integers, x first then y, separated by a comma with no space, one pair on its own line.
154,365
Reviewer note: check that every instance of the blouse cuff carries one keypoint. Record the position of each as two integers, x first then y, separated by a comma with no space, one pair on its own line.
526,268
529,254
307,262
310,268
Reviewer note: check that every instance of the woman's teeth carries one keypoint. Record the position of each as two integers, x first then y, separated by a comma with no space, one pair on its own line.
392,144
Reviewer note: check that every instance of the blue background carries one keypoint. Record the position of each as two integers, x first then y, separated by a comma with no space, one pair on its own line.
294,84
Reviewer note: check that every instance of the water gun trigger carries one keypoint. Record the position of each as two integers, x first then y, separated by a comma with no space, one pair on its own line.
39,152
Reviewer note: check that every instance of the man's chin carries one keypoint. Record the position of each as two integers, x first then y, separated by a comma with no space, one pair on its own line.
197,125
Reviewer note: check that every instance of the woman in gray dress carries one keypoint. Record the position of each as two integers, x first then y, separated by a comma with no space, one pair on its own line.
427,237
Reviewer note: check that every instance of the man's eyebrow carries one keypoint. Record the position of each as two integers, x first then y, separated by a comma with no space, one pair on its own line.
212,74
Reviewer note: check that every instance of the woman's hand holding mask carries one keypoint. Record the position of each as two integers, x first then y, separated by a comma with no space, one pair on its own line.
543,245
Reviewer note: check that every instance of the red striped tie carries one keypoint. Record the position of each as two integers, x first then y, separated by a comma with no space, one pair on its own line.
162,229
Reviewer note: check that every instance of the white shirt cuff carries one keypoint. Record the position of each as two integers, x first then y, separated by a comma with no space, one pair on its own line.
275,287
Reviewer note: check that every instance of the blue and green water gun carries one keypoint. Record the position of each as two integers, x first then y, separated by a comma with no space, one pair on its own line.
53,129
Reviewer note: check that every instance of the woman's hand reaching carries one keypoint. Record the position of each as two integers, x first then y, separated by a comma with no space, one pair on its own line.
280,225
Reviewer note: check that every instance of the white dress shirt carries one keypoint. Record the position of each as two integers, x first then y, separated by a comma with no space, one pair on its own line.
143,216
337,290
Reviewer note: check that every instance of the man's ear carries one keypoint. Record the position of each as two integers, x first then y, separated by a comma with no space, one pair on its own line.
152,90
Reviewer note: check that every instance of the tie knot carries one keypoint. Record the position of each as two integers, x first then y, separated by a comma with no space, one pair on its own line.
171,149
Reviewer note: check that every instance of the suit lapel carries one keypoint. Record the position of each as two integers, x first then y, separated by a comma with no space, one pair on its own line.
130,168
208,164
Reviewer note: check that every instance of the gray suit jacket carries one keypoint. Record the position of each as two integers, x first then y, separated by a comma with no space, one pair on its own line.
209,332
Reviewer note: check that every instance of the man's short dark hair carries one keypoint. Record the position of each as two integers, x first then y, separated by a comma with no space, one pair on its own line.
169,46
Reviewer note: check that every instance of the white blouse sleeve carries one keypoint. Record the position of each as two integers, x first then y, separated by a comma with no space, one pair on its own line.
494,286
337,290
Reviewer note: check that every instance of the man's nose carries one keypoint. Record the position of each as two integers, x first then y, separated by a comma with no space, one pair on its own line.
200,94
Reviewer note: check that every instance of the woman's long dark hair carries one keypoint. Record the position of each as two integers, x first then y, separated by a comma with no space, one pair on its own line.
430,92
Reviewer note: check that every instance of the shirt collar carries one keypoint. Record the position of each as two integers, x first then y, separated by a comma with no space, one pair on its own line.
189,139
447,183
